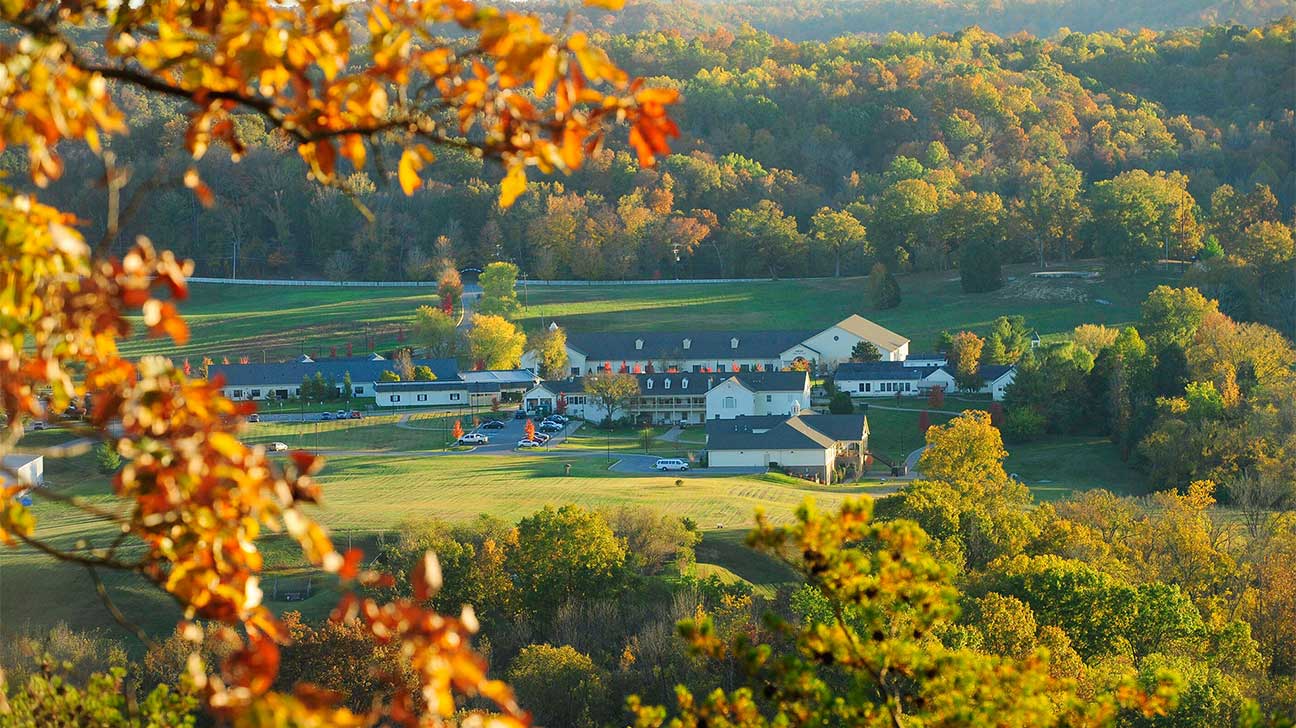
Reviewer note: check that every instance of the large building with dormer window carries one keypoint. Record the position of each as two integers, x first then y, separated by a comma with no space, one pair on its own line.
682,397
703,352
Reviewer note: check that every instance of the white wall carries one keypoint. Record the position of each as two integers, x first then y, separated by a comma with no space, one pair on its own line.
855,387
739,396
758,458
415,398
835,346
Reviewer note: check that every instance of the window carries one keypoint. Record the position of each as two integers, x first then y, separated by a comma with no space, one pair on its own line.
868,387
648,385
730,403
769,398
254,393
237,394
684,383
454,396
697,367
359,390
666,384
296,391
575,371
421,397
395,397
746,367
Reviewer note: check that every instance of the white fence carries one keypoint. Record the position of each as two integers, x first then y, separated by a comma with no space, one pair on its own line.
433,284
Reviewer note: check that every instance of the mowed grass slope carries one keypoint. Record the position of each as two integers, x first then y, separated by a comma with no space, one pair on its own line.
365,497
280,322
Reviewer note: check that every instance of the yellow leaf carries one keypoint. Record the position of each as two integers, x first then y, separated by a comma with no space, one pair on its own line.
606,4
410,164
514,184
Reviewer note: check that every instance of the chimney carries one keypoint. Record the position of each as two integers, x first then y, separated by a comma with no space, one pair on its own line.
687,344
638,344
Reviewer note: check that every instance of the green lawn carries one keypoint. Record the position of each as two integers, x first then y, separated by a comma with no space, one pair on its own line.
378,433
365,496
1055,466
280,322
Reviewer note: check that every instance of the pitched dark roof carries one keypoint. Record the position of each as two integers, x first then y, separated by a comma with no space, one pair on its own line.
774,432
690,382
881,370
927,356
991,372
771,381
362,369
453,385
618,346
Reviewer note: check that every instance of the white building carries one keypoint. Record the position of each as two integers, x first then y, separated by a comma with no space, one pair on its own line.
24,468
808,445
686,397
887,379
283,380
723,351
749,394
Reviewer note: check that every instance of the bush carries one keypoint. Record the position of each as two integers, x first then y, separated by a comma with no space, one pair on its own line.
1023,424
979,269
562,686
107,458
841,404
884,291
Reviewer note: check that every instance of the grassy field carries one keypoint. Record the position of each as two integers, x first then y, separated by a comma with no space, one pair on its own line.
365,496
280,322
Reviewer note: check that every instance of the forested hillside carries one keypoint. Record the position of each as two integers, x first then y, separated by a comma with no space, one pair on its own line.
812,159
824,19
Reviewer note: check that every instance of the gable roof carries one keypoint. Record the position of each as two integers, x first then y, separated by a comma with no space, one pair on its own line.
772,432
869,331
618,346
771,381
362,369
891,370
452,385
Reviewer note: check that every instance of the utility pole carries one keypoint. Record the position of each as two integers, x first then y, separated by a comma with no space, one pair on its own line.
234,274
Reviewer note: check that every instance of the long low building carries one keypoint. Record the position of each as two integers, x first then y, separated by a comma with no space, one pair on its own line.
811,446
681,397
283,380
915,377
724,351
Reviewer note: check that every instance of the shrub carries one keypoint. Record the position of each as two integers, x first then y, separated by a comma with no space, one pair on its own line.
1023,424
841,404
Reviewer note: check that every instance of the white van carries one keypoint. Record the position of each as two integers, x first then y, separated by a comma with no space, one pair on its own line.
670,464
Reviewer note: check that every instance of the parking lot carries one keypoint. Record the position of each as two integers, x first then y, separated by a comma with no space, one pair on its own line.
506,439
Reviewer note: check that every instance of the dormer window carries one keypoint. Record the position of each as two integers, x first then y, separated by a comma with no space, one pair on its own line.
684,383
648,385
733,343
666,384
638,344
687,344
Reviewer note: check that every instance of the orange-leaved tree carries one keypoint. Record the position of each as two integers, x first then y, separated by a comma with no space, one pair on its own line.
345,83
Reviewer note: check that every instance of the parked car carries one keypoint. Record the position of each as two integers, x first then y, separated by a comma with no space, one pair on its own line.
277,447
326,416
355,415
541,437
473,438
560,419
550,426
670,464
340,414
254,417
38,425
520,415
528,443
492,425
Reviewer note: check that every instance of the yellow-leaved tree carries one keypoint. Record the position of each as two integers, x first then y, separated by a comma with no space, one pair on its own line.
194,498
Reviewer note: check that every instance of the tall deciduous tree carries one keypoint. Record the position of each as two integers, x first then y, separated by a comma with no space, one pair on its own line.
965,358
836,232
435,332
495,342
550,347
766,236
1139,217
612,390
499,295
